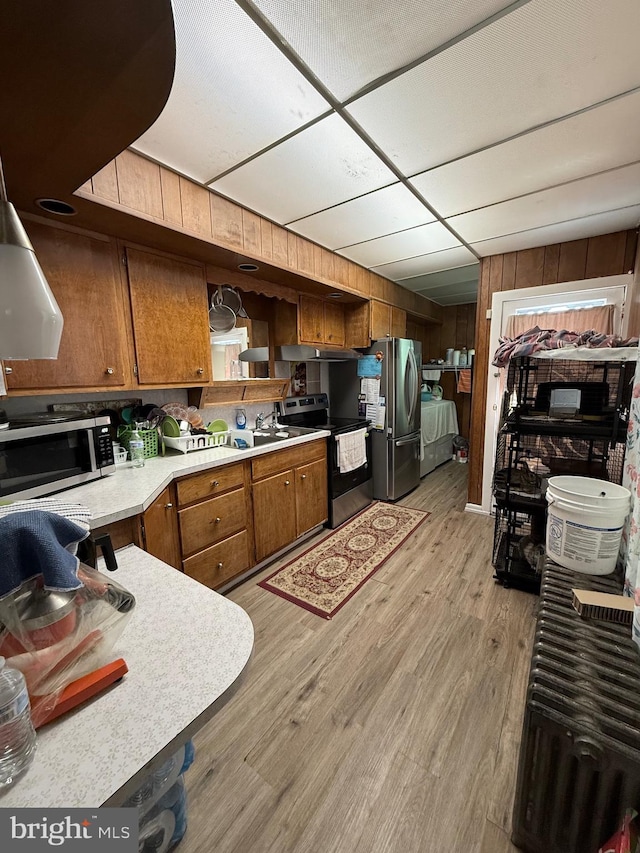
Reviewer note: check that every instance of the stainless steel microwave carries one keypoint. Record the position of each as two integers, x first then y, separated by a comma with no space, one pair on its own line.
44,453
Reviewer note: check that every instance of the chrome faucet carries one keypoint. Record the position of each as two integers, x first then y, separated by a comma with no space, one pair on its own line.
261,419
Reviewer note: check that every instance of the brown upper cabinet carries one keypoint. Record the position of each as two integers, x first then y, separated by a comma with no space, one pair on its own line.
320,322
83,272
386,321
169,305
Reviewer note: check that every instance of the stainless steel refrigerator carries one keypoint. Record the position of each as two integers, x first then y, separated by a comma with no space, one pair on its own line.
395,449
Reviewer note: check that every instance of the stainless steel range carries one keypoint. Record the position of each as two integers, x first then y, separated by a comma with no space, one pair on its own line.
349,490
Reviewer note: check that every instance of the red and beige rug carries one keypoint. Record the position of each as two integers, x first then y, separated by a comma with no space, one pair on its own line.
325,577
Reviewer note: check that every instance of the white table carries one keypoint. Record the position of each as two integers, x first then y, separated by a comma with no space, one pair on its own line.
186,647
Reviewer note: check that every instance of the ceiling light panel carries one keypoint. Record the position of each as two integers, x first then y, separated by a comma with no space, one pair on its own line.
577,229
596,194
321,166
538,63
599,139
393,208
233,94
348,44
457,257
405,244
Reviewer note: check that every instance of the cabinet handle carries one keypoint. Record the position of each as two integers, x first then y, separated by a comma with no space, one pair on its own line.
215,483
286,482
109,371
200,371
168,506
8,370
217,519
219,565
303,476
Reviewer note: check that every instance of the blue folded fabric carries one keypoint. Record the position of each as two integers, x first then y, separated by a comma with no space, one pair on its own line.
36,542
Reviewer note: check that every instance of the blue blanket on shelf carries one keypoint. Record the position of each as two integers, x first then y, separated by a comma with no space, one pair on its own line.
36,542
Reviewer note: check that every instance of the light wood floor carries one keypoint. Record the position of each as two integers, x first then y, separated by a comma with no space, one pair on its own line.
392,728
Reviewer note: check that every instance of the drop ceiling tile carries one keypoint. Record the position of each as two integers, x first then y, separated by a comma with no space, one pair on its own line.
542,61
599,139
393,208
456,257
233,94
443,278
321,166
351,43
596,194
577,229
462,299
405,244
468,290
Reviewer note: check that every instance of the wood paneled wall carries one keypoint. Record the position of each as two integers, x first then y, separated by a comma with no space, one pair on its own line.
458,330
137,185
608,254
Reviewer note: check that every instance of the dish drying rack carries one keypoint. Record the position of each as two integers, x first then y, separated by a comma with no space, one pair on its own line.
189,443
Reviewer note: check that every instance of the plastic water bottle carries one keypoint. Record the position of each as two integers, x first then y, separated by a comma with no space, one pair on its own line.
17,736
136,448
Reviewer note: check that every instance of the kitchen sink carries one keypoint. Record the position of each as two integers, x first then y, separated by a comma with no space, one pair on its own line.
272,436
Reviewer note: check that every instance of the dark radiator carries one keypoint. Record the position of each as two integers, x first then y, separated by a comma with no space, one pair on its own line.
579,765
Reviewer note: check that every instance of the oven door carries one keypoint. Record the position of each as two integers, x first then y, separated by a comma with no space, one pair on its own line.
36,461
340,483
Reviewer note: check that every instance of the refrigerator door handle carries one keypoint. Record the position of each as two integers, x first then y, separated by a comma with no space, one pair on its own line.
412,386
402,441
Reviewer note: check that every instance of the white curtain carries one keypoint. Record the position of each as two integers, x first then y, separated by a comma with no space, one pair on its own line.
600,319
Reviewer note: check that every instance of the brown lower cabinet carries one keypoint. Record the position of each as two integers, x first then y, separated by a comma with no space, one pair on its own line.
217,524
160,529
289,495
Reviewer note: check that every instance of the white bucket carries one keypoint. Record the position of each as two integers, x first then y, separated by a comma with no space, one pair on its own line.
584,523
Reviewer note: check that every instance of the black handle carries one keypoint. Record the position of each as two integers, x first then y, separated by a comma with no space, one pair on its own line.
104,543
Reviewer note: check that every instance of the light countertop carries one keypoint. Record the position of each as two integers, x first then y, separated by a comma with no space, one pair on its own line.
185,647
132,490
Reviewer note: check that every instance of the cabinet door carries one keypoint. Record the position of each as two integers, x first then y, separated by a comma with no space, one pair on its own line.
380,319
84,277
311,320
398,323
274,513
170,320
311,495
161,529
334,325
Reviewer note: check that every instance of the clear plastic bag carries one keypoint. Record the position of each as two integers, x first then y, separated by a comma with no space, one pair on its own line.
55,637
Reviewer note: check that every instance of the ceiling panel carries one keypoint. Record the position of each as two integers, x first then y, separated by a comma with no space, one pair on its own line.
444,278
599,193
577,229
234,93
457,299
393,208
405,244
593,141
459,256
321,166
467,292
541,61
350,43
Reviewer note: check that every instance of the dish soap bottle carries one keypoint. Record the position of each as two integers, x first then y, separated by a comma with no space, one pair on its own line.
241,418
136,448
17,736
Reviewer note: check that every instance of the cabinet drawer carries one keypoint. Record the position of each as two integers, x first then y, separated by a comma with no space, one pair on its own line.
282,460
210,521
209,483
220,562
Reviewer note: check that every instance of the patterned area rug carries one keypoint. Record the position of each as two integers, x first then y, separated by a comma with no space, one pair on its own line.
325,577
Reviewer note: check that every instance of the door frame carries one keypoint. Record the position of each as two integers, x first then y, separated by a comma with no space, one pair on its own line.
587,289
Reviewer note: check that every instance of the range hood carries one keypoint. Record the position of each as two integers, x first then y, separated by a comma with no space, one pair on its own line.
299,353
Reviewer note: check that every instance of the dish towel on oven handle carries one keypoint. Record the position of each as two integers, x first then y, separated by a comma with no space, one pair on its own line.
352,450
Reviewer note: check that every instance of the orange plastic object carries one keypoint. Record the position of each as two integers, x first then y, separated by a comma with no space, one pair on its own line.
86,687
